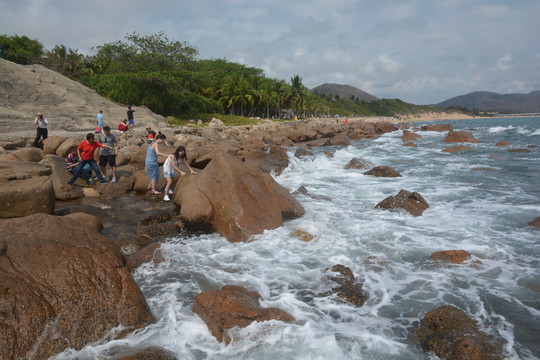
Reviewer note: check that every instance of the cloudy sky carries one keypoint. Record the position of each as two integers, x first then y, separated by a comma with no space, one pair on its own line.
419,51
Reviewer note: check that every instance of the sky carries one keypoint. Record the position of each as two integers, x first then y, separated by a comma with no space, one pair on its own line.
419,51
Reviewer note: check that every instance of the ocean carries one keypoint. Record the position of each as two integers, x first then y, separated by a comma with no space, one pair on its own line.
480,200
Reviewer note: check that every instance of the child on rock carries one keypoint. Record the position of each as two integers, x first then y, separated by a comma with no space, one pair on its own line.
171,166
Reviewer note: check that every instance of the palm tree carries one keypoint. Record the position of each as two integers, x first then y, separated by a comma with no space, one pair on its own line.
297,92
280,89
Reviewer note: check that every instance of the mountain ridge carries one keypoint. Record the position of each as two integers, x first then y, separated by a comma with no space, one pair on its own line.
343,91
492,101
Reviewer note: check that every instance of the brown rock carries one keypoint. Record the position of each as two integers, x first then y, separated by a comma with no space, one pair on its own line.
25,188
413,203
141,181
233,306
59,178
63,149
449,333
26,154
319,142
383,171
234,199
12,145
51,144
453,256
460,136
302,152
348,289
62,289
410,136
535,222
144,255
520,150
303,235
384,127
440,127
356,163
456,148
411,144
341,140
87,221
504,143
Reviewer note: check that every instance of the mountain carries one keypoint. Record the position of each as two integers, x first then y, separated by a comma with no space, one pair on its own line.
344,91
506,103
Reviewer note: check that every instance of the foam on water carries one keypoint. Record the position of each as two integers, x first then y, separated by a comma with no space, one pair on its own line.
484,212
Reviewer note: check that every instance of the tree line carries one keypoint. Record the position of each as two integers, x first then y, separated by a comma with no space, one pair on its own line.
166,76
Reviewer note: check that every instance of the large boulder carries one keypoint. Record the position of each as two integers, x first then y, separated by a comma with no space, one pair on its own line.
63,149
413,202
341,140
452,256
26,154
59,178
235,199
384,127
410,136
25,188
233,306
51,144
456,148
535,222
63,285
449,333
356,163
459,137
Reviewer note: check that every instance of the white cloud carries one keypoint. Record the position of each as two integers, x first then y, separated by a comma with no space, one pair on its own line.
503,63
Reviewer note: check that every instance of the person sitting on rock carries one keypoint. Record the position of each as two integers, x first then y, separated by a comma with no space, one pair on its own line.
123,126
72,161
171,166
86,151
151,134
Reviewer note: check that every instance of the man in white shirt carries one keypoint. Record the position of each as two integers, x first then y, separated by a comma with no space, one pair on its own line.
41,123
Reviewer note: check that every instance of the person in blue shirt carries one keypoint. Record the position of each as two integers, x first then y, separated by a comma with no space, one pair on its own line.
99,121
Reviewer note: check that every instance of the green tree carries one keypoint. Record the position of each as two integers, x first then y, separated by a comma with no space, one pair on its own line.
20,49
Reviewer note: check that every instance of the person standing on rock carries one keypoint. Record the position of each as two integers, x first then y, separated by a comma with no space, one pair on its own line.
108,156
130,117
171,166
42,132
151,163
86,152
99,121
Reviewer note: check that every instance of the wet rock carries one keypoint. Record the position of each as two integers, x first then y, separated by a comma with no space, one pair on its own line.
87,221
234,199
349,290
411,144
160,230
329,154
62,289
303,191
233,306
440,127
413,202
410,136
460,136
25,188
320,142
449,333
456,149
303,235
356,163
504,143
141,181
383,171
535,222
144,255
453,256
484,169
384,127
147,353
128,244
302,152
520,150
341,140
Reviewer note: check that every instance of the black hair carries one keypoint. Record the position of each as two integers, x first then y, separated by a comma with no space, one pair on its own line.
72,149
160,136
177,152
90,136
106,128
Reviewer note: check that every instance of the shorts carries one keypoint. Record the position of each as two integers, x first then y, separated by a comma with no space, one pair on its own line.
110,159
131,122
167,174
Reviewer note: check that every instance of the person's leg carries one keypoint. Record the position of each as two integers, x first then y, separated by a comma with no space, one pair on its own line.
112,163
169,183
76,172
95,167
45,133
38,136
103,165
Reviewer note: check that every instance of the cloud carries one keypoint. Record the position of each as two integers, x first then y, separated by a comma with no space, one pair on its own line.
503,63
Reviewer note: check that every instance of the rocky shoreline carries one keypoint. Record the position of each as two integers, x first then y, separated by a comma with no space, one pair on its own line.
76,286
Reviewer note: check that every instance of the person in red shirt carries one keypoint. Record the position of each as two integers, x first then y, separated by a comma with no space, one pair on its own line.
86,152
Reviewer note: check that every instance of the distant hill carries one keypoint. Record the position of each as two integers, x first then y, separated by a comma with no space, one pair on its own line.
506,103
344,91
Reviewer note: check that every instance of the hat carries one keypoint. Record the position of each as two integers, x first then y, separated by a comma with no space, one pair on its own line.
148,127
39,114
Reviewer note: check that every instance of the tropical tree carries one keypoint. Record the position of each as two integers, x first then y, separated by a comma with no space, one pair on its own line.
296,93
20,49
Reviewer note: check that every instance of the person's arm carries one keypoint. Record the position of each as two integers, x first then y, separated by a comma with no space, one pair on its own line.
173,164
36,121
191,171
117,146
156,148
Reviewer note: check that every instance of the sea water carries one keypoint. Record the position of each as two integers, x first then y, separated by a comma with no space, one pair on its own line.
480,200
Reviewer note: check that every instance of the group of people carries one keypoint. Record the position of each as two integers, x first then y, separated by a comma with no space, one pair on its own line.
80,162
